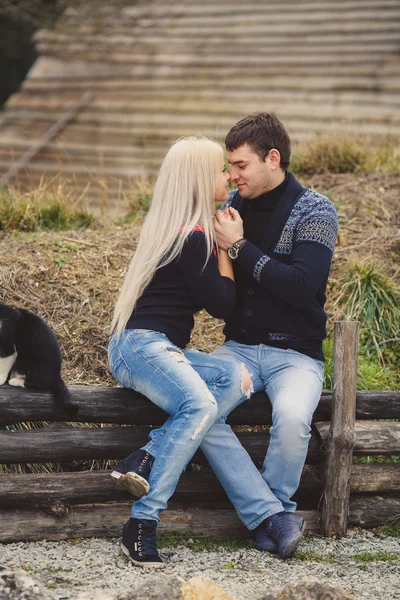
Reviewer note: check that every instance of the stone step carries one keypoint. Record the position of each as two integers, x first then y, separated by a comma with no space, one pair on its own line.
236,7
199,52
50,166
14,148
385,35
223,35
206,87
204,114
242,18
147,135
207,100
107,10
91,157
55,68
187,66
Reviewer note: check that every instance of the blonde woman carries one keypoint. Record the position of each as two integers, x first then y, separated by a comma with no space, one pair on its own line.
176,271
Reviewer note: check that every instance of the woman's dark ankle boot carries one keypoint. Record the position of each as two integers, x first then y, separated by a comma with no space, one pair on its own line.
139,543
133,473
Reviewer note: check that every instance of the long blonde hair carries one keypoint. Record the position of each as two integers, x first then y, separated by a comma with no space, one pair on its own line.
183,197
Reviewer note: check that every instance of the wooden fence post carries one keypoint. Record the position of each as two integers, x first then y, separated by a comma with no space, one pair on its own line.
340,444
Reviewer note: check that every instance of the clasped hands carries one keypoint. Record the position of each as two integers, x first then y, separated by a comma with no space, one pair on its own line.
228,226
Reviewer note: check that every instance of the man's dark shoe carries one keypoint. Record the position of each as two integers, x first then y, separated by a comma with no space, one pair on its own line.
133,473
139,543
264,542
286,529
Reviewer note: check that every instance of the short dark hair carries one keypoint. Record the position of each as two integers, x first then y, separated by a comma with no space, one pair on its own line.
262,131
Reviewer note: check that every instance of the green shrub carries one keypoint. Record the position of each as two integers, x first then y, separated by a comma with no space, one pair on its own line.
42,209
372,375
139,199
371,297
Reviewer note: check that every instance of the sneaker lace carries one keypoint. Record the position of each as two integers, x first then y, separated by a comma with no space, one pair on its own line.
143,464
147,539
276,527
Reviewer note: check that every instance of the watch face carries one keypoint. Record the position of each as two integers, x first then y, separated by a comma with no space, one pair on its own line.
233,252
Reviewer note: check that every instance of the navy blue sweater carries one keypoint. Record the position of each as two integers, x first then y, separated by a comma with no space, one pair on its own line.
281,282
182,288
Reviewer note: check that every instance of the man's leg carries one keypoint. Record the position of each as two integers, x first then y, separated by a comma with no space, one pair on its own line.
293,382
246,489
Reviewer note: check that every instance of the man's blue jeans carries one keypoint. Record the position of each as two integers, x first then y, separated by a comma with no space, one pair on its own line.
195,388
293,382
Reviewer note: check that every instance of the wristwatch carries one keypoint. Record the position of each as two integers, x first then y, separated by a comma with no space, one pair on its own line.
233,250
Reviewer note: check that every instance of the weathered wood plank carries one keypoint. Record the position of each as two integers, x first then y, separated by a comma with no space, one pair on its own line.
371,437
106,520
96,486
341,436
367,511
63,443
118,405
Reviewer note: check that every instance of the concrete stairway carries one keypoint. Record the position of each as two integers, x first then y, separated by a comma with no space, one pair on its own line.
161,69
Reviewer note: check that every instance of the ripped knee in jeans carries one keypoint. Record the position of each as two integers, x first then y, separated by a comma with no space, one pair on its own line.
246,383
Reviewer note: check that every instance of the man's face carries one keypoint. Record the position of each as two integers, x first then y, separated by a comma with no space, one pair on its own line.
252,175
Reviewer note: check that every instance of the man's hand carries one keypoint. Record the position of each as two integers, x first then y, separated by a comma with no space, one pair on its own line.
228,227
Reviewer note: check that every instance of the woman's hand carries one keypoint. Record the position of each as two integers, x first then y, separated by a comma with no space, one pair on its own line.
228,226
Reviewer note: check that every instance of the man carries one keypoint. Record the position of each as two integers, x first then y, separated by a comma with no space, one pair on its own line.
280,237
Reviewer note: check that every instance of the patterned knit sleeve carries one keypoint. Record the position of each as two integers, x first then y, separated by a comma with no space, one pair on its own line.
309,237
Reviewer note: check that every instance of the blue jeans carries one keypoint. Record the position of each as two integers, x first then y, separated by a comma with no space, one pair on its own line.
293,382
193,387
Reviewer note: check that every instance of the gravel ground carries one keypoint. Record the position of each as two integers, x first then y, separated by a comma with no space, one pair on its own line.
70,567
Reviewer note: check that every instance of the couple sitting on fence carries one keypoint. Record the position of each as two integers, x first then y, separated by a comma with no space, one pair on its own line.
261,263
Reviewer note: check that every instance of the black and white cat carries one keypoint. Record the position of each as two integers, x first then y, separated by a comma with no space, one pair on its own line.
30,355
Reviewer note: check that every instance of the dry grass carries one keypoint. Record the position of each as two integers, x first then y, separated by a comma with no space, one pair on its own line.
342,153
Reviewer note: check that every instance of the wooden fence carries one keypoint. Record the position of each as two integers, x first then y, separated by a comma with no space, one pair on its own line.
334,492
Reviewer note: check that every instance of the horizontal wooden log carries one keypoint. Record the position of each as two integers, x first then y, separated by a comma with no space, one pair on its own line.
118,405
372,437
63,443
382,478
367,511
83,487
106,520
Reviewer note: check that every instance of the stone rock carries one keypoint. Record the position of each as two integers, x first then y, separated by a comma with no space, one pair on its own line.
200,588
96,594
18,585
165,588
311,590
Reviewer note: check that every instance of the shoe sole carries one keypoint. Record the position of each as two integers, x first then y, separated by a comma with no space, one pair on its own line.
148,565
270,549
136,485
292,546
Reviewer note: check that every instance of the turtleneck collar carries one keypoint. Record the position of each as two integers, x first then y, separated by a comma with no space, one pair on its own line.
268,201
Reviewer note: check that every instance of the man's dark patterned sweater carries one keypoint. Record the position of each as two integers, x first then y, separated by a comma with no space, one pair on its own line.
281,277
182,288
